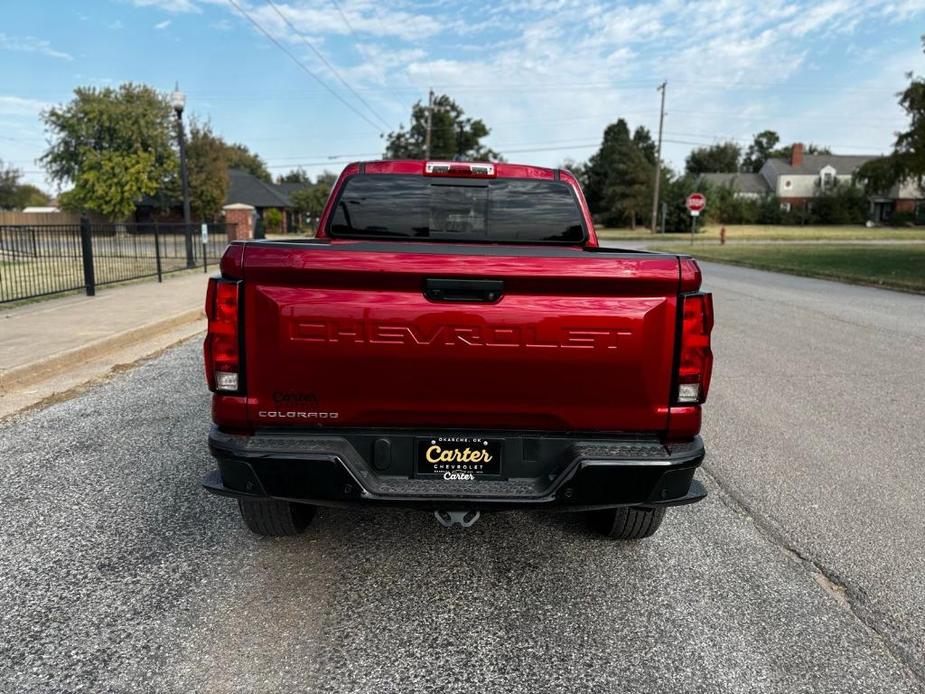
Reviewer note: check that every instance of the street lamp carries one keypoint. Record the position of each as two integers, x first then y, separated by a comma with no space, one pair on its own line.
178,101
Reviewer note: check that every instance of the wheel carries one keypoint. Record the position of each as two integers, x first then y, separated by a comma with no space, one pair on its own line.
275,518
627,522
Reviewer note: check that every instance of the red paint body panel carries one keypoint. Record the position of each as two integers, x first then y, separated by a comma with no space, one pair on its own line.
340,334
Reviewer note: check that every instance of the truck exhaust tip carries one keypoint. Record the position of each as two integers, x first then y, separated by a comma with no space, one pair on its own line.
465,519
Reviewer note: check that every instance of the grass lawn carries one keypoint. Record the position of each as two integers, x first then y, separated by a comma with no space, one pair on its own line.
759,232
611,234
895,266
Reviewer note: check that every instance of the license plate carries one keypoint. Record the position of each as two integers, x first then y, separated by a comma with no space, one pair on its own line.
459,457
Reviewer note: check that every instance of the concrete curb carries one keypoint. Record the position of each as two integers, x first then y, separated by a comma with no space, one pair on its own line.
28,374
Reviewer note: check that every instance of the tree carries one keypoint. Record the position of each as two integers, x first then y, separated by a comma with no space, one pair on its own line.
907,160
238,156
764,147
813,148
760,150
452,134
208,170
328,178
29,195
9,182
309,201
642,138
719,158
619,176
879,175
114,146
208,158
14,195
673,192
628,192
602,163
298,175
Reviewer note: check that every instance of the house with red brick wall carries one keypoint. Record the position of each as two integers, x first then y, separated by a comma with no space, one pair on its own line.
797,180
243,189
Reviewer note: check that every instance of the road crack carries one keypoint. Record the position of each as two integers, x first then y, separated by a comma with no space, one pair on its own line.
827,579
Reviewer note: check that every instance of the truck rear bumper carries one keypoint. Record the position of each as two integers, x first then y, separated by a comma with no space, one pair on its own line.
376,467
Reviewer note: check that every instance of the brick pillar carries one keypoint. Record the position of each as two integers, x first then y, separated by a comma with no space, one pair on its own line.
242,217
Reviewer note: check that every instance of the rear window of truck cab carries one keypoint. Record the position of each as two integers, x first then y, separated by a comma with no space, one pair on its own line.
510,210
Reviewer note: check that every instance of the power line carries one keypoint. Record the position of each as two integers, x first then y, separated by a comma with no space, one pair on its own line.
325,61
360,49
303,66
550,144
349,158
718,139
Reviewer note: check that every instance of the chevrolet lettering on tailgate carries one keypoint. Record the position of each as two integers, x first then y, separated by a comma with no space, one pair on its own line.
375,333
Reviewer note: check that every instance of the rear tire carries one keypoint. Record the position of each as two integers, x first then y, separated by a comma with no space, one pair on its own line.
275,518
627,522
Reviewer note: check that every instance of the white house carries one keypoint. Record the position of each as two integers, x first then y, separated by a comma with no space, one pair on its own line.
797,180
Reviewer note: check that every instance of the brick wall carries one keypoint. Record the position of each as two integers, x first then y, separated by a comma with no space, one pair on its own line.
796,203
240,219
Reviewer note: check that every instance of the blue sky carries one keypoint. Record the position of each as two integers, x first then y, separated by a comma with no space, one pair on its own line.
545,76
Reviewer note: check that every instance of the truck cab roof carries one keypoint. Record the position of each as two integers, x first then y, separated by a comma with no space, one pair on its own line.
482,169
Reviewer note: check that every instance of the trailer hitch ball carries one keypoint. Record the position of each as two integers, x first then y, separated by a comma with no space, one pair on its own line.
465,519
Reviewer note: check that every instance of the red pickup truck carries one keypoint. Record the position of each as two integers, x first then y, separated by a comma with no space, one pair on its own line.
454,339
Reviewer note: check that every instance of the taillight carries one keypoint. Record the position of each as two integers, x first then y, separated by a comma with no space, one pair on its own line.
695,359
222,346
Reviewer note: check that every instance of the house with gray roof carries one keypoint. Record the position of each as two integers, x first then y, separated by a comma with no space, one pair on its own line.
245,188
796,180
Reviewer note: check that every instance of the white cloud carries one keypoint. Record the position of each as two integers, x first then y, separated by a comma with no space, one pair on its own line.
173,6
30,44
575,66
557,71
371,19
162,25
18,106
116,25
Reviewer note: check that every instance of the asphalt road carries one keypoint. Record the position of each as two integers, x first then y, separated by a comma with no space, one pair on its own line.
816,425
118,574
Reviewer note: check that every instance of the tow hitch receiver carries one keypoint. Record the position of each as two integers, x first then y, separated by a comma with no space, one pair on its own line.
465,519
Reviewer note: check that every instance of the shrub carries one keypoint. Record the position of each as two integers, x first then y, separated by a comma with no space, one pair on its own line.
902,219
272,220
845,204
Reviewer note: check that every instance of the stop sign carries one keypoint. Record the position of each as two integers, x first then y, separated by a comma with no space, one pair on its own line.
695,203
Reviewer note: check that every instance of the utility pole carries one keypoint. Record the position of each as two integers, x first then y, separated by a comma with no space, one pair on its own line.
658,160
430,118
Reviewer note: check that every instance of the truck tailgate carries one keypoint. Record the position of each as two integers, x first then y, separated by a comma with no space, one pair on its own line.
342,334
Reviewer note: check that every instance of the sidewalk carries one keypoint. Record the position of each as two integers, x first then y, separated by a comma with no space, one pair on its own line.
52,346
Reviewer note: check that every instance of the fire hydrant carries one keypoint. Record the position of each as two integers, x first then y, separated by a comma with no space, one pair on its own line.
722,236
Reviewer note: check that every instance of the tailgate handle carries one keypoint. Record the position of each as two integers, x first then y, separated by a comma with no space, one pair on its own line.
485,291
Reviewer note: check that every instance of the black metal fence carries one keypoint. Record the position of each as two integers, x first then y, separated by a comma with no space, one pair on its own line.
39,260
